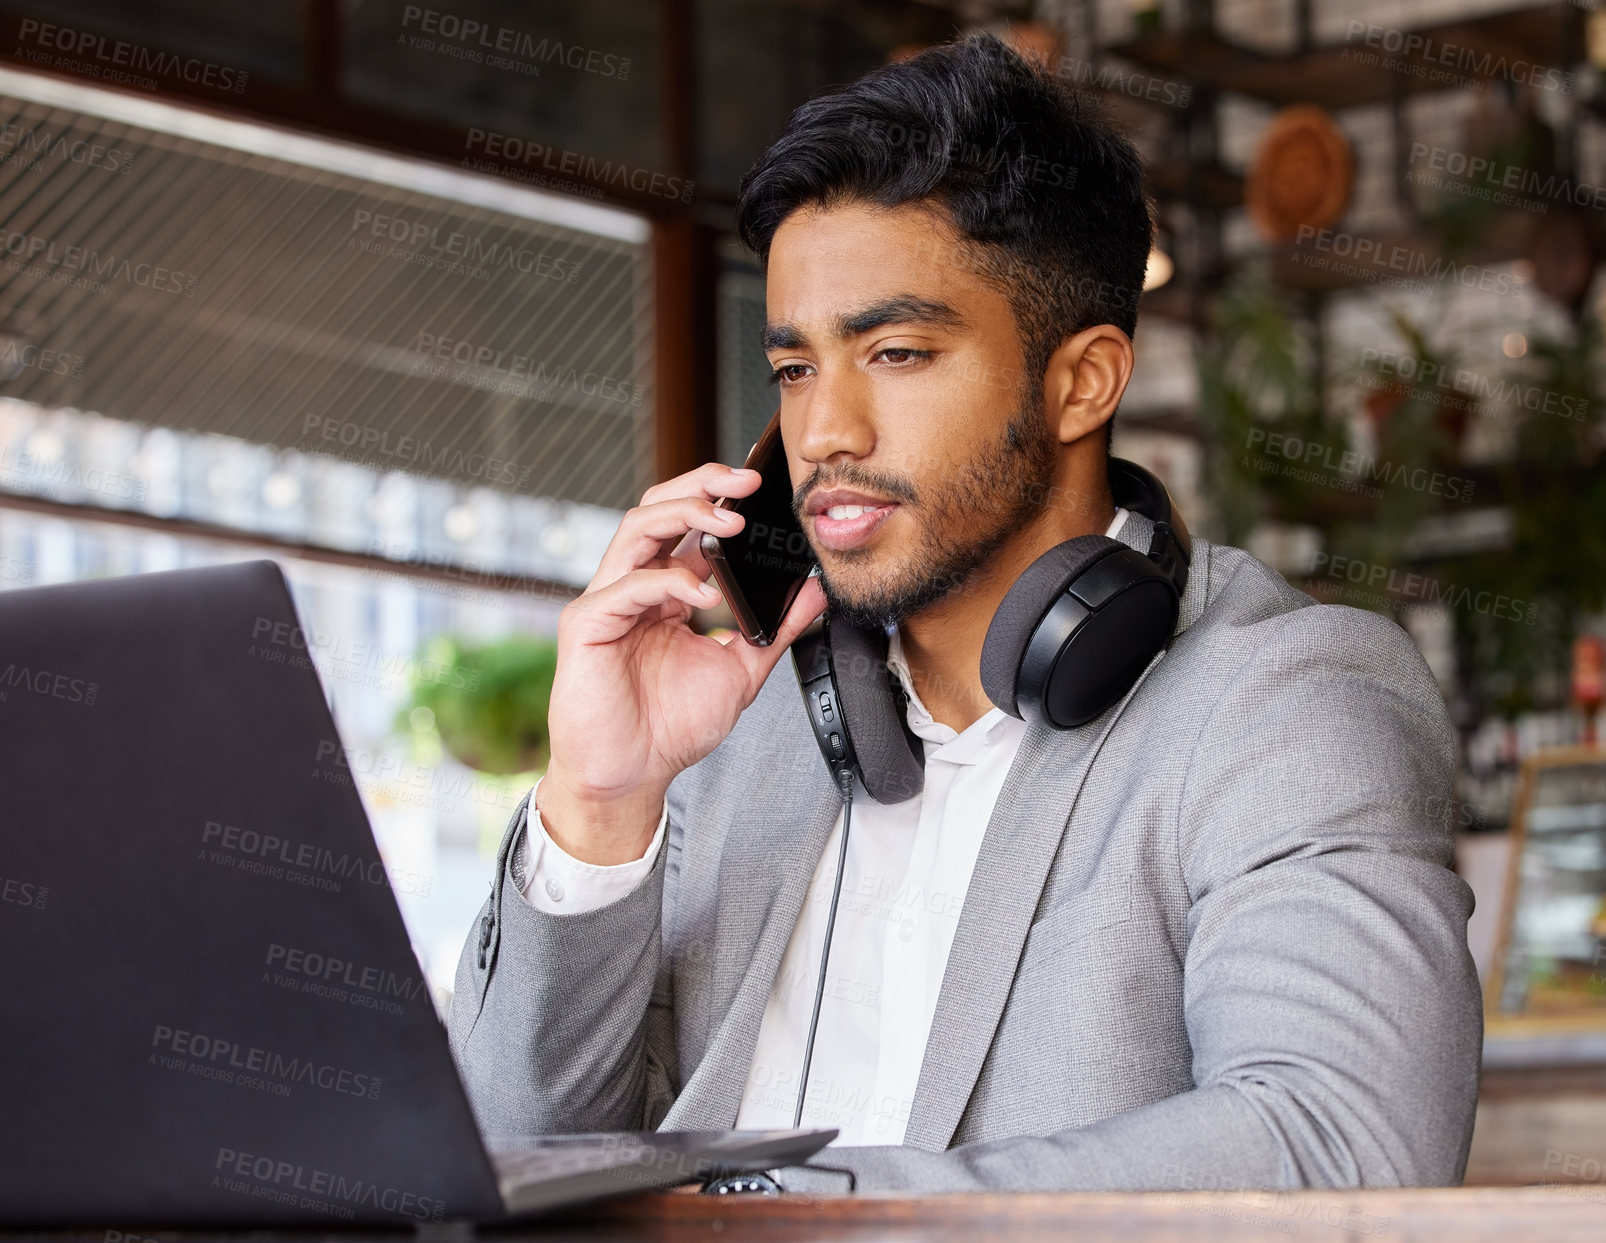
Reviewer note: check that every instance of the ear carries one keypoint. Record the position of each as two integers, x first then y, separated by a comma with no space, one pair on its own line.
1085,379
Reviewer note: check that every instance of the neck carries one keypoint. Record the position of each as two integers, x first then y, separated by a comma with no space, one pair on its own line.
942,643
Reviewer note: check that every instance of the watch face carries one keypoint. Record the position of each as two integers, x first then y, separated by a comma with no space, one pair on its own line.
732,1184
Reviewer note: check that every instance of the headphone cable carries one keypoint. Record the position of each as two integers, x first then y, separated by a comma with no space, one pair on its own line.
825,953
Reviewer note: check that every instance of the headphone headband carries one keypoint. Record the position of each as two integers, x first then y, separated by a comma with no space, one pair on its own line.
1134,488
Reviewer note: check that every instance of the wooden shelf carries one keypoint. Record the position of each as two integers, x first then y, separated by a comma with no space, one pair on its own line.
1200,56
1401,259
1325,508
1213,185
1351,73
1178,421
1171,301
1409,258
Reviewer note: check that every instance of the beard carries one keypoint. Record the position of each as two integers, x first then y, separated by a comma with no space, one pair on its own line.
989,499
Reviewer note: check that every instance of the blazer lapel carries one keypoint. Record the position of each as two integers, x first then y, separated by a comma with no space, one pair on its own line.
1019,845
1022,838
765,870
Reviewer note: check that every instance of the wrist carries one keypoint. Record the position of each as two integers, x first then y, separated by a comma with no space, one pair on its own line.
599,829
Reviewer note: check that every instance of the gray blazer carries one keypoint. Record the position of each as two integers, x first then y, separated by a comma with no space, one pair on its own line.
1212,938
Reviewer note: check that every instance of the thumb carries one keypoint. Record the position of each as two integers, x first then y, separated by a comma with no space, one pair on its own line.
809,604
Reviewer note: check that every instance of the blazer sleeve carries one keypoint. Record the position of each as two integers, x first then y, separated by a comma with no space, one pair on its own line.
1330,999
562,1023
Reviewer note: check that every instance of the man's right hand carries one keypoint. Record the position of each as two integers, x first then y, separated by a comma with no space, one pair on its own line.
639,696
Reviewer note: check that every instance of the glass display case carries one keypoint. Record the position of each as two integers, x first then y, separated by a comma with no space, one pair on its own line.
1550,965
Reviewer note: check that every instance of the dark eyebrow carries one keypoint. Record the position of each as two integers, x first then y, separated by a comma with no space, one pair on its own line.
903,309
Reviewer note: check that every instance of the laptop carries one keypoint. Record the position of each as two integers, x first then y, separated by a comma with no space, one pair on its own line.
210,1011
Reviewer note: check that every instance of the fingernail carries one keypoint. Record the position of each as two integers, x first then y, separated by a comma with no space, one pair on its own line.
708,591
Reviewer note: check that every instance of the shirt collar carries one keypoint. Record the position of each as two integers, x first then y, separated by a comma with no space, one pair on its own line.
983,729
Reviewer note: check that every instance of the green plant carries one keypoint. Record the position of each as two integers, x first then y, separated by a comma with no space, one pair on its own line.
1253,380
1555,491
487,701
1417,425
1461,210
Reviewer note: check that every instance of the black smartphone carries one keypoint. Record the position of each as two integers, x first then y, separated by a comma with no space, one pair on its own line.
761,568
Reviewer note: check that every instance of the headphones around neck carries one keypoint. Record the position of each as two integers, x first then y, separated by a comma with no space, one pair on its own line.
1069,640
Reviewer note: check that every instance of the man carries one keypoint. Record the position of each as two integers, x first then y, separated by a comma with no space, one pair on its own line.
1209,939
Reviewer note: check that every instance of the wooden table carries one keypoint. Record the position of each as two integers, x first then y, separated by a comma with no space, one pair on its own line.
1459,1215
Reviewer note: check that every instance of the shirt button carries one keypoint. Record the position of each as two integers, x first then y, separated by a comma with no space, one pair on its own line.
554,890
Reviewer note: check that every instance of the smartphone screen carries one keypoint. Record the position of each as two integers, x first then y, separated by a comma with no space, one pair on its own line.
761,568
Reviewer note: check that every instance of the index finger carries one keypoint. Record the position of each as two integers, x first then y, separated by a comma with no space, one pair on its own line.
632,548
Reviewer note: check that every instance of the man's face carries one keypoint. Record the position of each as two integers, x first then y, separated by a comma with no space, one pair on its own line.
902,379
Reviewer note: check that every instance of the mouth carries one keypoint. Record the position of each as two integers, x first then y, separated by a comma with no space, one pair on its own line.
842,527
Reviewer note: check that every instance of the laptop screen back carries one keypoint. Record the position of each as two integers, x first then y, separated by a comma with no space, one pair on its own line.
210,1008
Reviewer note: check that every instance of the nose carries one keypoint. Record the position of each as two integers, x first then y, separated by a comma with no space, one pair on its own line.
833,420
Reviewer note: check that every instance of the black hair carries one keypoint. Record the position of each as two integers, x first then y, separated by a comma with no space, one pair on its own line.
1046,195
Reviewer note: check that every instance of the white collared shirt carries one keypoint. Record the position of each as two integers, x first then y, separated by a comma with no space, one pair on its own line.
908,867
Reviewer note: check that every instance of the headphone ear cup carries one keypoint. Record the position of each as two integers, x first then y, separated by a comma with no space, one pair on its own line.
1023,608
1076,631
891,758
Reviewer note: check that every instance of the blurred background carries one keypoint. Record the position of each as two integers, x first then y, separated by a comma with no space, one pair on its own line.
418,299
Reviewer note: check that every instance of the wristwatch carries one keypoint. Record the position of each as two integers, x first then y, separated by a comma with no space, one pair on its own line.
735,1184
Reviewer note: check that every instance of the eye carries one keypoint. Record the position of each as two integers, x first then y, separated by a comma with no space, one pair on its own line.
902,356
788,373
